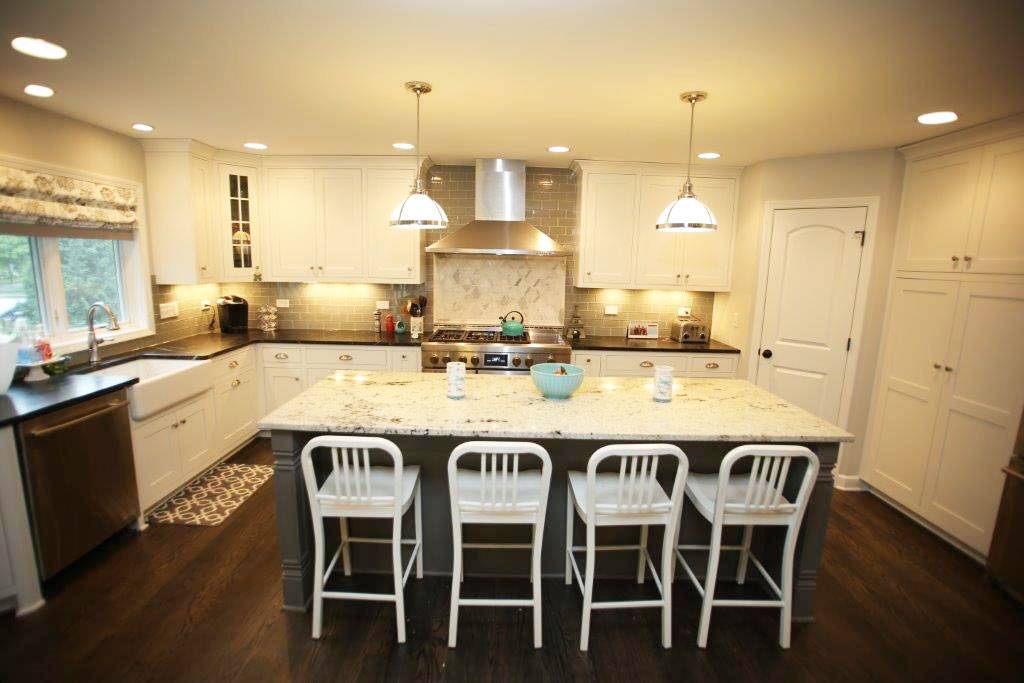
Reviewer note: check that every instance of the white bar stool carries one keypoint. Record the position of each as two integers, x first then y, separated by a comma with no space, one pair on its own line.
354,488
750,500
630,497
500,493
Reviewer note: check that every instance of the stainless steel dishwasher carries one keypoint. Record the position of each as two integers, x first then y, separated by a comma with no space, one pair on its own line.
80,478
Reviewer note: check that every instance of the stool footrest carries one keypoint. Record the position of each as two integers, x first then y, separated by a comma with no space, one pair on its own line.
494,602
371,597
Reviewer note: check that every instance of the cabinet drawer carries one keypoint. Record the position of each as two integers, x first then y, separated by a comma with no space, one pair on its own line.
233,363
713,364
357,357
641,364
590,362
281,354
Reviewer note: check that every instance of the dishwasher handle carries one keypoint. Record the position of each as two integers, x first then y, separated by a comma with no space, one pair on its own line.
46,431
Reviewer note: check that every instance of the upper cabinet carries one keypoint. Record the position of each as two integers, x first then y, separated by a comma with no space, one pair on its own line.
330,223
236,223
963,211
619,247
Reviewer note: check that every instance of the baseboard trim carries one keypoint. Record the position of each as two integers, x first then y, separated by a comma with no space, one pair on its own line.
921,521
848,482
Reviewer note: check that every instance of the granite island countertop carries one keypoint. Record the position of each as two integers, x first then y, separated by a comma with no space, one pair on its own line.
500,406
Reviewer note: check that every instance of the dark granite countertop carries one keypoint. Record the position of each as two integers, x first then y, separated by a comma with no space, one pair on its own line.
624,344
28,399
203,346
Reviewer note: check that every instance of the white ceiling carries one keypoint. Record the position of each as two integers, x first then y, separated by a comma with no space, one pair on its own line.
513,77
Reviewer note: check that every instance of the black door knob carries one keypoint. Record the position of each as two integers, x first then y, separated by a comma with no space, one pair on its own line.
767,353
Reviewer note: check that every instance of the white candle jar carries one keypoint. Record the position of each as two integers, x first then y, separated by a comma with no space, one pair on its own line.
456,380
663,383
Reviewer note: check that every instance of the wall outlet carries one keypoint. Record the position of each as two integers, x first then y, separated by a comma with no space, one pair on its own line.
169,310
683,310
611,310
282,303
383,305
204,305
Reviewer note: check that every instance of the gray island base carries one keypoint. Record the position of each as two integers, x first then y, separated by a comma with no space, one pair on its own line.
706,418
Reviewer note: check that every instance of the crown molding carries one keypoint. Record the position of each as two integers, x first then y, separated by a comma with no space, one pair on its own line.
992,131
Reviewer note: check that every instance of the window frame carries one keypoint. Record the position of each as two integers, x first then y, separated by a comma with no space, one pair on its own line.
132,254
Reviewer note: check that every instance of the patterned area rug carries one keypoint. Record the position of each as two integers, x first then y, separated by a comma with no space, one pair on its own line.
210,499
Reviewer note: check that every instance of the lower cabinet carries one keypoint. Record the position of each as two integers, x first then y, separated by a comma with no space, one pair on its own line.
282,385
172,447
7,587
642,363
237,400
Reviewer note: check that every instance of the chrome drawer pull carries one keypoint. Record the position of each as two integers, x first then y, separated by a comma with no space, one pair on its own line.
236,382
647,364
281,356
344,356
233,364
711,366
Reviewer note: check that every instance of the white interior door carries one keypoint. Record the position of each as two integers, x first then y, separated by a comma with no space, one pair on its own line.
813,268
979,412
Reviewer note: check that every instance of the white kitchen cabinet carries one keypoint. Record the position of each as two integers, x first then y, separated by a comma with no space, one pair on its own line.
291,229
392,254
404,359
642,363
179,189
195,435
282,384
590,362
339,203
237,229
237,408
346,356
619,247
996,240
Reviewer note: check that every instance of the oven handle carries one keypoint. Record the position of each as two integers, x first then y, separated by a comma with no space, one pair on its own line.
78,420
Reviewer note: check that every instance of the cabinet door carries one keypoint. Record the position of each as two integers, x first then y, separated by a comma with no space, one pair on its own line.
405,359
339,204
236,408
195,436
707,256
659,255
590,362
996,242
7,586
236,228
282,385
979,413
200,178
608,230
157,465
907,393
935,216
291,224
392,254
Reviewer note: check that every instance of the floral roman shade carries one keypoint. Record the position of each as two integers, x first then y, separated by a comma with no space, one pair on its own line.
47,201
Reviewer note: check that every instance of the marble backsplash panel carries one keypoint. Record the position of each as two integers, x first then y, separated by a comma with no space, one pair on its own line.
477,289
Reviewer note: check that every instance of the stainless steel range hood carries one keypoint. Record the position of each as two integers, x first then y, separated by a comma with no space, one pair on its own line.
499,227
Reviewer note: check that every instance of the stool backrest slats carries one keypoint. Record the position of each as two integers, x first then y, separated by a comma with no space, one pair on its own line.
766,482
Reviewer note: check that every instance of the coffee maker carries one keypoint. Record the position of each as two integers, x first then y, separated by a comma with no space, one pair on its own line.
233,313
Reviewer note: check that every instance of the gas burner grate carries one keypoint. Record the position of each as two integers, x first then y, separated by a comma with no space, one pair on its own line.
523,338
448,335
481,336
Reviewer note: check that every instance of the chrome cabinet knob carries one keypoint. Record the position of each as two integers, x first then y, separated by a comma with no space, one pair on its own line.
949,369
711,366
956,259
233,364
937,366
281,356
646,364
344,356
235,383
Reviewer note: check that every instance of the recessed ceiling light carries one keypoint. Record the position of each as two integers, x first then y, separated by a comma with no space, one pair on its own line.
403,145
558,149
37,47
934,118
255,145
708,155
36,90
143,127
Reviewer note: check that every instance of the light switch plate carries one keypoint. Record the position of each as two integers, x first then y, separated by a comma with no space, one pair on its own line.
383,305
683,310
169,310
611,310
283,303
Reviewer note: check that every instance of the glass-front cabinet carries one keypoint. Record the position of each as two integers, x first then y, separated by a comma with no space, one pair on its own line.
238,224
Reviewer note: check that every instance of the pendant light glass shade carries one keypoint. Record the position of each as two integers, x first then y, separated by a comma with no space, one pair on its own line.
418,211
687,213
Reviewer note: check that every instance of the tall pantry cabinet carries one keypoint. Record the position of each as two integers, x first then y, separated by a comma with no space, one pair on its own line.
950,386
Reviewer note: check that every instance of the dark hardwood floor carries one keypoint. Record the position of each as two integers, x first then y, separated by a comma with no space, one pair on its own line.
181,603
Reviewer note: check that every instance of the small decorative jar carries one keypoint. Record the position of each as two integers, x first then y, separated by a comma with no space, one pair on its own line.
663,383
266,318
456,375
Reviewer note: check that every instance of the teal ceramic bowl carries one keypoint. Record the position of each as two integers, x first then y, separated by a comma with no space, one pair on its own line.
554,385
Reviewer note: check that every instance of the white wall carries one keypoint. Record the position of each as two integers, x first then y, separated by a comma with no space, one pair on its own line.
43,136
852,174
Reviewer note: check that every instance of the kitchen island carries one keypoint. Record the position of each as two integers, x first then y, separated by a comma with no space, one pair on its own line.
706,418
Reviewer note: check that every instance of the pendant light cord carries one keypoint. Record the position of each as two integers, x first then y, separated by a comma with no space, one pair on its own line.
419,164
689,150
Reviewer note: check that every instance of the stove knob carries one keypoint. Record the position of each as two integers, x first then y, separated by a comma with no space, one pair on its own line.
686,335
516,361
462,359
529,362
702,335
475,360
434,359
447,359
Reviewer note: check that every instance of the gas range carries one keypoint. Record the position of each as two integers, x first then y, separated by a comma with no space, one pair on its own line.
486,349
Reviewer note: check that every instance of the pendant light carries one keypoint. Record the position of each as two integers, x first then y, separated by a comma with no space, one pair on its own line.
686,213
418,211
